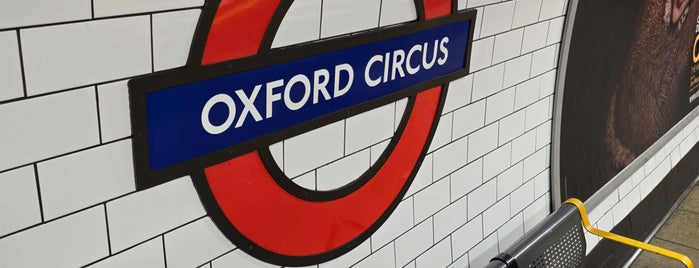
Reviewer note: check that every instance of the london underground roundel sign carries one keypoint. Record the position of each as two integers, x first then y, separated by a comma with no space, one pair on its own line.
215,118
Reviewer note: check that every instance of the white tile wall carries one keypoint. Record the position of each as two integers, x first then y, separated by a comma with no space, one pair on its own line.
15,13
327,143
496,124
38,128
450,219
300,24
118,7
407,249
11,85
113,102
86,178
195,243
19,200
346,16
68,242
343,171
431,199
497,18
376,121
507,45
142,215
72,55
172,34
437,256
148,254
397,11
384,257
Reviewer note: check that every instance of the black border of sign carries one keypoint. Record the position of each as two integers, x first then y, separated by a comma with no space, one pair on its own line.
140,86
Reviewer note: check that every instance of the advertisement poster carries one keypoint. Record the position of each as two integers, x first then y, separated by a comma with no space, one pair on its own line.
632,74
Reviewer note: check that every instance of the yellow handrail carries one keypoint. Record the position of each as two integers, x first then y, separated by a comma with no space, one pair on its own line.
625,240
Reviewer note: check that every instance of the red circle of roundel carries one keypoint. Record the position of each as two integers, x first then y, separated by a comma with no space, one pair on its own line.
251,200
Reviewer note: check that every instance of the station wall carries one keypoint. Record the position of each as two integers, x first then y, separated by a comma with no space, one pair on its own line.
67,191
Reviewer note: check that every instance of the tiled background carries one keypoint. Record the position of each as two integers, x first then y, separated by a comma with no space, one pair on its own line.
67,193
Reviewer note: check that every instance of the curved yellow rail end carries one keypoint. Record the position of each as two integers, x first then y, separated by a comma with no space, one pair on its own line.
625,240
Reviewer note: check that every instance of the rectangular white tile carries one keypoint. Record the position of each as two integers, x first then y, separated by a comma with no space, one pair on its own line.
481,198
172,37
148,254
511,127
548,83
509,180
496,161
346,16
450,158
343,171
195,243
497,18
450,218
39,128
499,105
481,53
105,8
507,45
397,11
437,256
517,70
16,13
312,149
555,30
536,212
481,254
466,179
384,257
77,54
459,94
482,141
460,262
542,183
468,119
543,135
510,232
431,199
467,236
535,163
527,93
523,146
526,12
538,113
543,60
300,24
19,201
535,36
496,216
401,220
369,128
11,85
488,81
442,135
72,241
521,197
145,214
82,179
552,8
115,119
407,249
